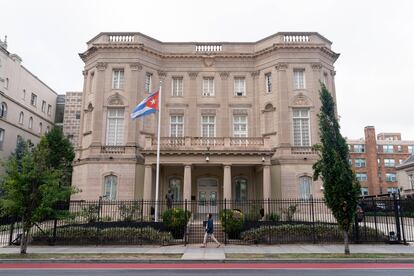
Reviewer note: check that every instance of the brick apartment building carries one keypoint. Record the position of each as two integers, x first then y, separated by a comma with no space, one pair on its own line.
375,158
72,115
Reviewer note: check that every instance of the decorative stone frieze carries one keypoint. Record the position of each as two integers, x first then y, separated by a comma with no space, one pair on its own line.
135,66
281,66
255,74
115,100
208,61
224,75
193,75
301,100
161,74
316,66
101,66
240,111
209,111
176,111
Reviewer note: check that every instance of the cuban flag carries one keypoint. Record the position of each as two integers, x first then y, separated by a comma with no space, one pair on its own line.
147,106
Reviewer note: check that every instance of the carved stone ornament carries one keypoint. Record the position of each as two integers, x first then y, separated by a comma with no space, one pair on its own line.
115,100
193,75
208,61
281,66
135,66
85,73
161,74
301,100
238,111
333,72
101,66
316,66
89,108
255,74
224,75
208,111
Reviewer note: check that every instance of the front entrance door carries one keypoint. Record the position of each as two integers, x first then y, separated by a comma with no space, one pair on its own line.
207,190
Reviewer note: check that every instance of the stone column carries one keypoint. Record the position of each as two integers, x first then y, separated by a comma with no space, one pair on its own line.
131,87
283,106
227,182
148,182
187,183
266,187
98,120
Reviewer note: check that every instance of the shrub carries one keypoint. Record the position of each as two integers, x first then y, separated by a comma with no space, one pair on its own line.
129,212
232,222
90,213
272,217
290,212
254,213
176,220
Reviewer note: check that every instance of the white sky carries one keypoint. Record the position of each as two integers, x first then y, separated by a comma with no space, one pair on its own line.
374,79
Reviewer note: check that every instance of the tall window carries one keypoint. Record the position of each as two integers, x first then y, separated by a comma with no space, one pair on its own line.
176,125
360,163
301,128
240,187
115,127
239,86
43,106
2,132
208,86
239,126
411,149
33,99
359,148
30,123
268,118
208,126
411,181
21,117
118,79
388,148
148,82
24,94
390,177
110,187
364,191
389,162
91,82
175,186
177,87
40,128
3,110
49,110
299,78
361,176
268,83
305,187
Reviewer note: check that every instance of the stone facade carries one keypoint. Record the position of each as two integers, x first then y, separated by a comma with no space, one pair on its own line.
405,174
375,158
228,116
27,104
72,114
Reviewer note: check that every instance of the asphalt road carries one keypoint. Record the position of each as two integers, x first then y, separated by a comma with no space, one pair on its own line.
281,272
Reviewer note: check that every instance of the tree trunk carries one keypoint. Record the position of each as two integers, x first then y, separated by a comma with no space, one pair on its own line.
24,239
346,242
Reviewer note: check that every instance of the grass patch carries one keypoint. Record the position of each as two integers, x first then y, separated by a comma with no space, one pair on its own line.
320,256
90,256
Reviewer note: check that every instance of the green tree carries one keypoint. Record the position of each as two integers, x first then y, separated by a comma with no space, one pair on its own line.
60,154
341,188
31,188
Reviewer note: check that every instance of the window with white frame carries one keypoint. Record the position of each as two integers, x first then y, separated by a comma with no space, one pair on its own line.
239,86
208,86
110,187
361,176
2,134
411,181
360,163
301,127
33,99
268,82
44,106
390,177
175,187
305,187
392,190
299,78
3,110
389,162
115,127
364,191
177,87
148,83
411,149
240,126
176,126
21,117
30,123
240,189
118,79
359,148
388,148
208,126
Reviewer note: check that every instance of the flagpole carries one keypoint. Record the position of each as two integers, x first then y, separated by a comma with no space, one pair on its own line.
157,176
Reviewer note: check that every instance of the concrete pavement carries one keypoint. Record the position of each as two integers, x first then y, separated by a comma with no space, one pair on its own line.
194,252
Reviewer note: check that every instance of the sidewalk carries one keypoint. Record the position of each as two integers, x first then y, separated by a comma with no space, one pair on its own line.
194,252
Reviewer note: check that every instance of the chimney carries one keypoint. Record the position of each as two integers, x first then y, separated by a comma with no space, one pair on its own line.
374,185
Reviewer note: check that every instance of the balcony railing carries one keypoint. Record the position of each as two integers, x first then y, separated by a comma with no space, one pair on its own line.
113,149
303,150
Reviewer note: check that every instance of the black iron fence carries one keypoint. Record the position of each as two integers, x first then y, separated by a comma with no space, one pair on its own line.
274,221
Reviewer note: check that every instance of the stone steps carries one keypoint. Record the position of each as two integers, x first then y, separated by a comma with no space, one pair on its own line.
196,232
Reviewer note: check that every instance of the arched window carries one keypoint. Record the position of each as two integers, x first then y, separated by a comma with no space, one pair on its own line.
110,187
3,110
30,123
175,186
240,186
305,187
268,118
21,117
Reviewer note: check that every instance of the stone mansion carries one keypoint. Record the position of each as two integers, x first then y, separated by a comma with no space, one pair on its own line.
238,118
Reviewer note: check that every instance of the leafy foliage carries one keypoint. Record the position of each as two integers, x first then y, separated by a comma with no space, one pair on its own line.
129,212
232,221
176,220
341,189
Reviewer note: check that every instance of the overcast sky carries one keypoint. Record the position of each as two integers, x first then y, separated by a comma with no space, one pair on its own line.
375,72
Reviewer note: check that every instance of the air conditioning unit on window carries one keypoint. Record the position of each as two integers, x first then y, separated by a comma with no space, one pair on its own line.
239,93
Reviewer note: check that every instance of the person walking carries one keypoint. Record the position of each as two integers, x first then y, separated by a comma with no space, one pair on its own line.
209,232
